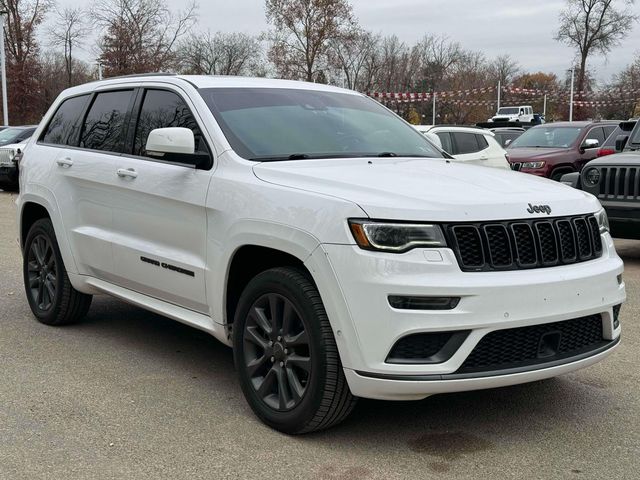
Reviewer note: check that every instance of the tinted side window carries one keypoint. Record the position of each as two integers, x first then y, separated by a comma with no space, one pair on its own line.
482,142
65,124
609,130
465,142
104,127
597,134
445,139
161,109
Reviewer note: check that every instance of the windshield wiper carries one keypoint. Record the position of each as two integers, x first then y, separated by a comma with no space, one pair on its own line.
387,154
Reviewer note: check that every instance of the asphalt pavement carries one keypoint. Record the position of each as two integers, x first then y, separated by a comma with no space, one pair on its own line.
128,394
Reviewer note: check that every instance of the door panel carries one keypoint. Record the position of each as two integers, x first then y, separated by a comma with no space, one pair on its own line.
84,196
159,219
159,231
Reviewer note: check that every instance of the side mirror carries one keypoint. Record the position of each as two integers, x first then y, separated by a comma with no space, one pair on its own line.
171,140
571,179
590,143
174,144
621,142
507,142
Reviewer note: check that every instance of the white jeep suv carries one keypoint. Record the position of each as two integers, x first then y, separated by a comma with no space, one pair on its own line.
322,237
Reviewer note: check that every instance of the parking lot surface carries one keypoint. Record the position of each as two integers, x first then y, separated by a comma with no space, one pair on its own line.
130,394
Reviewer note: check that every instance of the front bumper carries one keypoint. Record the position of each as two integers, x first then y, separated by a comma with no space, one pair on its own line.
407,388
489,301
8,173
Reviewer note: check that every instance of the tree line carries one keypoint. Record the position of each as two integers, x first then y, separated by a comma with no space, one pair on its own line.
312,40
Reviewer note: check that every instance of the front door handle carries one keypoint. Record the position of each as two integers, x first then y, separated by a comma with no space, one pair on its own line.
64,162
127,173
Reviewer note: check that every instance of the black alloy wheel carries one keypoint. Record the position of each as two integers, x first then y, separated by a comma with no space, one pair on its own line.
52,298
277,352
286,355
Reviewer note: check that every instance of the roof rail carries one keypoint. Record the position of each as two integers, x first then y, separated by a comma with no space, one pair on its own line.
149,74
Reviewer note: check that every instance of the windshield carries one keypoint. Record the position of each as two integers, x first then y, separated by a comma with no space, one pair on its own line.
508,111
265,124
547,137
9,135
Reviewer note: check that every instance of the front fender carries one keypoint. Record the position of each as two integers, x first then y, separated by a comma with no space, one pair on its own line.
260,233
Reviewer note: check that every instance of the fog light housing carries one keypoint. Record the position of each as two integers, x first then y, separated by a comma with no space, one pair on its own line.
616,316
423,303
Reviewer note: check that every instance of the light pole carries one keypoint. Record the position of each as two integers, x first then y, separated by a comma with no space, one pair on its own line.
99,70
3,58
573,69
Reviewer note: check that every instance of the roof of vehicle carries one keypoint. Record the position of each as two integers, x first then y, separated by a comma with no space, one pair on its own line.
210,81
456,128
507,129
579,124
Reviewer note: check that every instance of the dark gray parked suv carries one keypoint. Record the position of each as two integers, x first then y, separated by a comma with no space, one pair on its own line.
615,180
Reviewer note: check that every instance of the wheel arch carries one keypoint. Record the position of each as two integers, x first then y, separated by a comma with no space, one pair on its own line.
32,207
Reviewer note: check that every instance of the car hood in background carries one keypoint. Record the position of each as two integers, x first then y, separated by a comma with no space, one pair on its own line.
526,154
428,189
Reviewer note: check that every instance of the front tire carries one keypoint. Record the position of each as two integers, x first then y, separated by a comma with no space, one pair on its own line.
52,298
286,356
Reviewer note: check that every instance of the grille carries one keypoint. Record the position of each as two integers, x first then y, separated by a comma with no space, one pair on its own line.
519,347
525,243
5,156
619,183
425,347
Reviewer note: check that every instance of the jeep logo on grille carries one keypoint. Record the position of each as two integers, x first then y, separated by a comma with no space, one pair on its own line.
539,209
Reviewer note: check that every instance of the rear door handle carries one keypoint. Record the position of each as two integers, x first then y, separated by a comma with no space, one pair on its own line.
64,162
127,173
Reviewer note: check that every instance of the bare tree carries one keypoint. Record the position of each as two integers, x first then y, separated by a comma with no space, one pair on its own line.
594,26
68,32
220,54
302,32
140,35
504,69
353,55
23,65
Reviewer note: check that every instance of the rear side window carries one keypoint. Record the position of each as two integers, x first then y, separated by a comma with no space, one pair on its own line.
465,142
161,109
445,139
65,124
482,142
104,127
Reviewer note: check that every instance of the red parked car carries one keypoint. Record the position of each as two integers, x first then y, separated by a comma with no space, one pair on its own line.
554,149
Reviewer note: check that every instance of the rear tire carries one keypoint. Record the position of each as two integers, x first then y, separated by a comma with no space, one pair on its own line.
286,355
52,298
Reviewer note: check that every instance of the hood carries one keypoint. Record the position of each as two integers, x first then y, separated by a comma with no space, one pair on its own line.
14,146
623,159
527,154
428,189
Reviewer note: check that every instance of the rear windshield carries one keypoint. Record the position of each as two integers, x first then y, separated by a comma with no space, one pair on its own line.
508,111
547,137
272,124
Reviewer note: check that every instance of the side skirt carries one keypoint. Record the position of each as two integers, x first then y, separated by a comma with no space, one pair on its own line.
182,315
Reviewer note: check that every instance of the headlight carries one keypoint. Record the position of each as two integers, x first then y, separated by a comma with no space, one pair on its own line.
592,177
532,164
396,237
603,220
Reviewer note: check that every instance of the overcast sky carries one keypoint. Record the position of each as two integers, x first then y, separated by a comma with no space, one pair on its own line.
523,30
